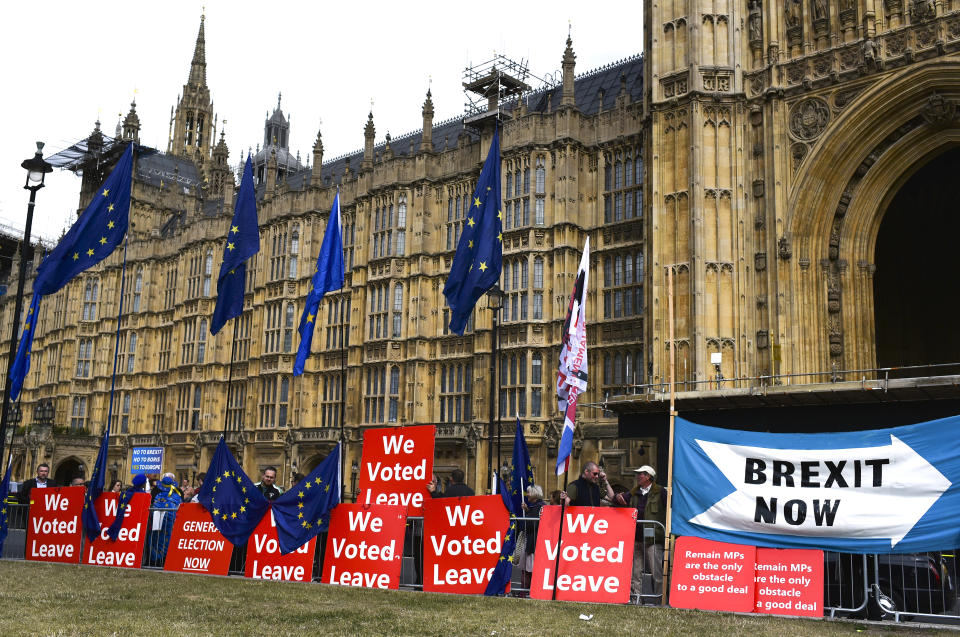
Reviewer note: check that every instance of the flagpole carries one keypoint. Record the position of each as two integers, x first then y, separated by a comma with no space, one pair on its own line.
116,340
668,540
233,349
345,326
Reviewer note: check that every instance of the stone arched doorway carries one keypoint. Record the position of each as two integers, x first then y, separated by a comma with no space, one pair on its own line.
69,469
915,307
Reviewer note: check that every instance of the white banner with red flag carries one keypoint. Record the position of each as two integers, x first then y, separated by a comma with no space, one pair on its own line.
572,372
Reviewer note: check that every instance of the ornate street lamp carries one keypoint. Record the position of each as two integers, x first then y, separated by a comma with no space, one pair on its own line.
495,298
37,169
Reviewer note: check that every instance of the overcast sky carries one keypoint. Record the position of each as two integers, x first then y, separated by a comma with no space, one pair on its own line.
66,63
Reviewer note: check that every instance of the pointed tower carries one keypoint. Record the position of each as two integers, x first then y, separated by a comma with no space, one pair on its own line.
220,172
317,160
569,62
131,124
276,145
368,134
426,143
194,113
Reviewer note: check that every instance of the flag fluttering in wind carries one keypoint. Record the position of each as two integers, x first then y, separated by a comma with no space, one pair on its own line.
572,372
234,502
479,256
304,511
99,229
500,578
522,476
241,243
4,507
91,521
328,277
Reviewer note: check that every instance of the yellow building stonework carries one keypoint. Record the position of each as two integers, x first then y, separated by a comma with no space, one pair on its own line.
571,167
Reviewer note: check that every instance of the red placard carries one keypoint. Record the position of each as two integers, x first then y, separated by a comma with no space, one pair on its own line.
712,575
54,529
462,540
365,546
789,582
264,560
596,554
127,551
196,546
396,466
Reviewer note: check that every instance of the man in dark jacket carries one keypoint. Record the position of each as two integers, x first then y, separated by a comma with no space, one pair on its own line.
41,481
267,484
589,489
455,489
650,501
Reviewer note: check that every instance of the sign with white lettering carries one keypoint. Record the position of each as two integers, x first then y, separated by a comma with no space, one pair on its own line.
789,582
264,560
862,492
54,529
146,460
196,546
712,575
596,554
396,466
127,550
365,546
462,541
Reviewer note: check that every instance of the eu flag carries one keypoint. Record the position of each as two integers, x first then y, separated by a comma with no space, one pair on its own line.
522,476
304,511
113,531
234,503
4,507
242,242
479,256
91,521
98,230
328,277
18,372
503,571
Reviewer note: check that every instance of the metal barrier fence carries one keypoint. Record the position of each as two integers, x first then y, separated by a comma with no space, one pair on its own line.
898,587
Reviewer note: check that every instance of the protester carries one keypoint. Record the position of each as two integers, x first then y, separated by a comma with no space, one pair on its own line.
532,508
77,482
555,497
42,480
189,493
456,488
650,501
267,484
589,489
116,486
168,498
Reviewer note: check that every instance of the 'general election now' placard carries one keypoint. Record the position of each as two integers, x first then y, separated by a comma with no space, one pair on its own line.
53,531
365,546
596,554
127,550
264,560
196,546
462,540
396,466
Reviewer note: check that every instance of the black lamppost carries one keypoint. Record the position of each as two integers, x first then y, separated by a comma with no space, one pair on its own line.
495,298
37,170
354,470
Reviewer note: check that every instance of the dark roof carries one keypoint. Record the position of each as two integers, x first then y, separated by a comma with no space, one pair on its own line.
171,170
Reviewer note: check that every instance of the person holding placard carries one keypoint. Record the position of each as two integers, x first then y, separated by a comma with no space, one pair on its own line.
41,481
590,489
650,501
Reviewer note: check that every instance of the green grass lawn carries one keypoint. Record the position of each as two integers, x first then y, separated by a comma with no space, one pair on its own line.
56,599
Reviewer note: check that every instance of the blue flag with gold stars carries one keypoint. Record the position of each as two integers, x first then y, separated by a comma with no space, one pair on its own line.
4,507
328,277
500,578
18,372
522,476
479,256
234,503
91,521
242,242
304,511
98,230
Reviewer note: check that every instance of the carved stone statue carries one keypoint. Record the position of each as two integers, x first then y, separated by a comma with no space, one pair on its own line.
756,21
791,12
819,9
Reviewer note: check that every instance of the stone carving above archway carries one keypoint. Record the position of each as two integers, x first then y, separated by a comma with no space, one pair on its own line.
939,111
809,118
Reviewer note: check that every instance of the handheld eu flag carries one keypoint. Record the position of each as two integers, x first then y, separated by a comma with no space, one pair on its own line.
479,256
304,511
91,521
328,277
234,502
500,578
99,229
242,242
522,476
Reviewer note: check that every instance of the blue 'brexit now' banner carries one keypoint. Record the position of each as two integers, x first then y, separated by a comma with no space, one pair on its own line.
890,490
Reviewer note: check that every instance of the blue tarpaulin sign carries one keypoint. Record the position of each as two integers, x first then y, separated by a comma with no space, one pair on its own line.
146,460
888,490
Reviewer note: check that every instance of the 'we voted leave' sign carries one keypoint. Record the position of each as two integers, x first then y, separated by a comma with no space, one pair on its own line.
365,546
264,560
127,550
396,465
54,529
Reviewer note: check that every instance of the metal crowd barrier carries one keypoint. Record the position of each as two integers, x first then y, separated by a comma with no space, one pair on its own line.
896,587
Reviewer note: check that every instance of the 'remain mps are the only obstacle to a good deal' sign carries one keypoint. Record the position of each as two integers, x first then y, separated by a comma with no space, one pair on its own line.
396,466
127,550
462,541
54,530
596,554
365,546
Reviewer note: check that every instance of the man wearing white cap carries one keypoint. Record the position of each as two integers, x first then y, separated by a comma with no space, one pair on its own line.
650,501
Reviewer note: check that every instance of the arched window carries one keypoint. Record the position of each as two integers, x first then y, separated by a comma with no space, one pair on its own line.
288,328
202,341
207,271
294,250
131,352
137,289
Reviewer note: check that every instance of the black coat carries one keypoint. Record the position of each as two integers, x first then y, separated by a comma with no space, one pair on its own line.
23,494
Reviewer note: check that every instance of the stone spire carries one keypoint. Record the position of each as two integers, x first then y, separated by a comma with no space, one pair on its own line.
198,67
569,62
193,118
426,143
369,131
317,159
131,124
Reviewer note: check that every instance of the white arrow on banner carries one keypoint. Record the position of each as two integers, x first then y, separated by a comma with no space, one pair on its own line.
870,492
